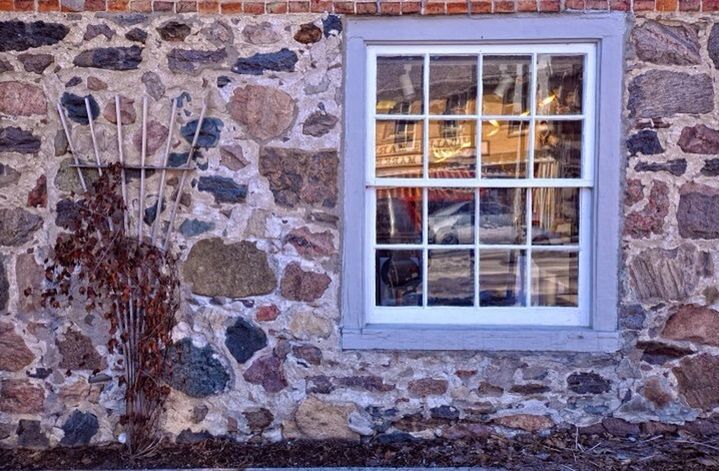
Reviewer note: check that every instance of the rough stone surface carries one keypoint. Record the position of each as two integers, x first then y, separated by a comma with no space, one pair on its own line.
127,111
37,197
14,353
196,371
650,219
694,323
663,93
308,34
428,387
526,422
311,244
710,168
260,34
79,429
243,340
14,139
22,99
191,60
156,137
110,58
194,227
267,313
93,31
20,396
78,352
667,44
153,85
698,211
265,112
321,420
308,353
77,110
267,371
283,60
698,380
224,189
20,35
35,63
8,176
644,142
232,157
713,45
297,176
699,139
676,167
319,123
29,277
258,419
209,132
17,226
301,285
30,434
137,35
232,270
588,383
657,353
174,31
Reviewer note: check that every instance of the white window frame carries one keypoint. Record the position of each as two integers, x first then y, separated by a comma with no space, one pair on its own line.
592,326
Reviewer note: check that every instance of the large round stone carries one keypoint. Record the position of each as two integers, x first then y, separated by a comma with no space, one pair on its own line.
21,99
265,112
243,339
320,420
231,270
195,371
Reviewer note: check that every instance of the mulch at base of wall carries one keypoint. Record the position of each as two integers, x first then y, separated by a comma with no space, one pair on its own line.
563,450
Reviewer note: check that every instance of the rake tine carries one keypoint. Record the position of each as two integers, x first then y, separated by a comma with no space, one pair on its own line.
141,208
122,158
164,171
184,173
92,134
72,146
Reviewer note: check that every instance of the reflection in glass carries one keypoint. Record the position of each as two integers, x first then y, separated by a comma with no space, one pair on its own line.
502,216
505,85
399,216
399,84
452,149
398,148
452,84
504,148
554,278
559,84
450,278
558,149
501,277
398,277
450,216
555,216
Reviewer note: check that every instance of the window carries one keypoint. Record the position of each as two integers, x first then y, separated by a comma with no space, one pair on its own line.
476,223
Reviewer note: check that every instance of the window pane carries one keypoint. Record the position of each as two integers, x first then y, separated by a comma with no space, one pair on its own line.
501,277
504,148
555,216
502,217
554,278
398,149
450,278
398,277
452,150
399,216
452,84
399,84
450,215
505,85
558,149
559,84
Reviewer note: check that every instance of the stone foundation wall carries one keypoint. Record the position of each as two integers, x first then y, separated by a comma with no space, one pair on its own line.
258,352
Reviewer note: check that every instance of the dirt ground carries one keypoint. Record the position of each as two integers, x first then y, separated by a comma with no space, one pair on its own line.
560,451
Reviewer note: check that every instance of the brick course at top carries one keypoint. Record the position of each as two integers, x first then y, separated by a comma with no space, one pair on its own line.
381,7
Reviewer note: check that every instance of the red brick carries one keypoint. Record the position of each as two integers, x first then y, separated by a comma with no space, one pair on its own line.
95,5
163,6
549,5
24,5
390,8
117,5
276,7
186,7
457,8
208,6
230,8
690,5
619,5
574,4
667,5
411,8
597,5
643,5
299,7
253,8
710,5
366,8
434,8
482,6
526,5
6,5
347,8
503,6
48,5
320,6
144,6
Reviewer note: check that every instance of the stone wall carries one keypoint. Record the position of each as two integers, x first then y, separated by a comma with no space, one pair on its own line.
258,344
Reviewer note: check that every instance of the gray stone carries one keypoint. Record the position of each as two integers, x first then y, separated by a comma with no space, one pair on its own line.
188,437
195,371
265,112
308,353
78,352
699,139
371,383
76,109
8,176
713,45
30,434
662,275
658,353
137,35
79,429
224,189
5,66
232,157
209,132
644,142
93,31
110,58
258,419
67,178
444,413
676,167
632,317
234,270
124,19
194,227
191,60
174,31
60,143
588,383
332,25
153,85
17,226
14,139
283,60
244,339
261,34
698,211
663,93
666,44
710,168
218,33
318,124
20,35
73,82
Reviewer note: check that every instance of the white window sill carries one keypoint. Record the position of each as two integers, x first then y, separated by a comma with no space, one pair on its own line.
432,337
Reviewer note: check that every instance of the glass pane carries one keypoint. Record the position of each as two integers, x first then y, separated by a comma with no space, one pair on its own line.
450,216
452,149
450,278
452,84
559,84
505,85
504,148
398,277
399,84
554,278
501,277
502,217
398,149
399,216
555,216
558,149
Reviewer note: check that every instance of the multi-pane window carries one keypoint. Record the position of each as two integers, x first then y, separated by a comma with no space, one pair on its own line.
480,184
